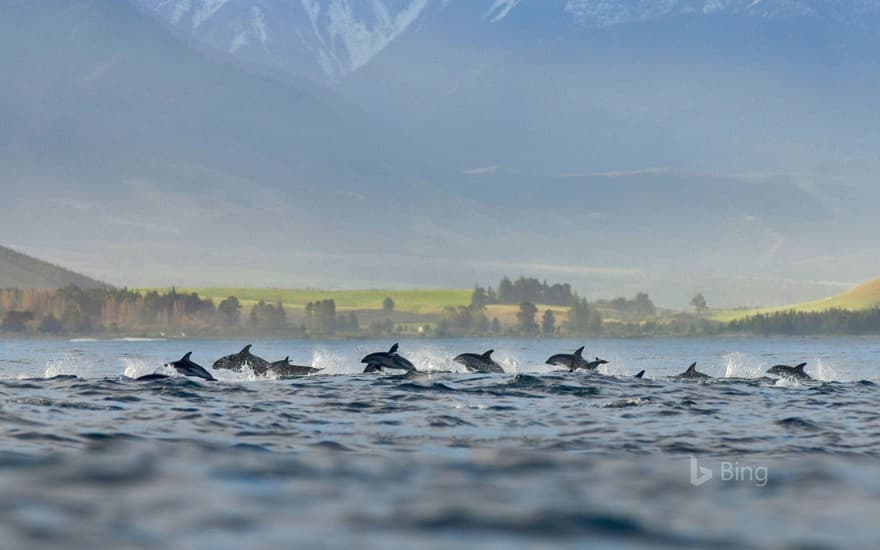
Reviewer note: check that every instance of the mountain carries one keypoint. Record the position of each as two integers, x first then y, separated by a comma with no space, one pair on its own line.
20,271
121,147
560,86
330,39
727,154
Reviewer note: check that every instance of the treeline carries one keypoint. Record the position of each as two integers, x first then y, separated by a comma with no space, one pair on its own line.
578,320
524,290
77,311
111,311
831,321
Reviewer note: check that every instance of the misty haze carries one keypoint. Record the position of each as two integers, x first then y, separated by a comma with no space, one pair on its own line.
439,273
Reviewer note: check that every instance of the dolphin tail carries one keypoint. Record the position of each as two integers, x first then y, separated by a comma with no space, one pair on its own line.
640,375
579,352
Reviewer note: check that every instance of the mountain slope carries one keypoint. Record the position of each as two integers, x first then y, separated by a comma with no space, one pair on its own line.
134,146
862,297
20,271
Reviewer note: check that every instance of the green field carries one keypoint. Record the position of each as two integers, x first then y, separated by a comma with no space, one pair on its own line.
405,301
865,296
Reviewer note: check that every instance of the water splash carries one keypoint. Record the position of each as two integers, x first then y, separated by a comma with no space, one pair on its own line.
70,364
333,363
740,365
508,362
431,359
135,367
827,373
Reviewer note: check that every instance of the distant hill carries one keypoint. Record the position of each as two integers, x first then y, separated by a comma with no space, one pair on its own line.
861,297
18,270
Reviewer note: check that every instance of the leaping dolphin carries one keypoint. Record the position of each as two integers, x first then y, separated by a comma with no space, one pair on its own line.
187,368
571,361
479,362
693,374
575,361
237,361
285,368
387,360
792,373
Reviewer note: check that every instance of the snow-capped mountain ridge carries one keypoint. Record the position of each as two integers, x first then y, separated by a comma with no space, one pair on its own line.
329,39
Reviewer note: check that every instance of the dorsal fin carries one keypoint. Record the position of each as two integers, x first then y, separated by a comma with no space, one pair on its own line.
579,352
693,367
639,375
393,349
800,367
287,359
245,350
186,357
488,354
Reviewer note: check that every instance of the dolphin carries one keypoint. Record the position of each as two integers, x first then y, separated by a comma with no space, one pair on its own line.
152,377
792,373
571,361
236,362
479,363
284,368
187,368
693,374
387,360
594,363
640,375
575,361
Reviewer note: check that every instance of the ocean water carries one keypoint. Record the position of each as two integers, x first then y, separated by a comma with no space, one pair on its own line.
437,459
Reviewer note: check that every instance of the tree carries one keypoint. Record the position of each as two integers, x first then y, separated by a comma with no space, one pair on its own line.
479,297
16,321
505,291
388,304
699,303
50,325
230,312
643,305
526,318
321,317
496,326
583,319
548,322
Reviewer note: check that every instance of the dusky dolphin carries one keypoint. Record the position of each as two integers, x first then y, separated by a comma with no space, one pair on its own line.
693,374
186,367
571,361
237,361
475,362
387,360
792,373
575,361
594,363
285,368
152,377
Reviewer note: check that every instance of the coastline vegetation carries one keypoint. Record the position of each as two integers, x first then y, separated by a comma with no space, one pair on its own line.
522,307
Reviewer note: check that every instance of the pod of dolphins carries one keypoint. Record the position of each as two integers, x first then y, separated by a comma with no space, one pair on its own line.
391,360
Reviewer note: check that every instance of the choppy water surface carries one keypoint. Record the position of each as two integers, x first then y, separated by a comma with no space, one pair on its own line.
533,457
